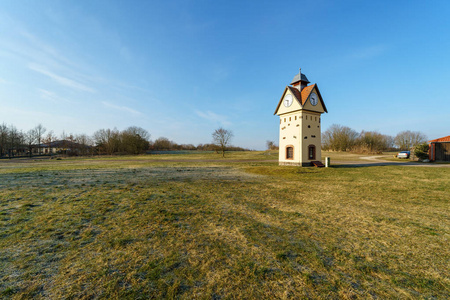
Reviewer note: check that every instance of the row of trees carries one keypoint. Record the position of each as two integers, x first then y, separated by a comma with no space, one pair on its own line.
342,138
17,142
132,140
221,141
14,142
164,144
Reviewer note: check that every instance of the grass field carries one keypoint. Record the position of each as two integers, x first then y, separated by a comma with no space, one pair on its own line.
198,226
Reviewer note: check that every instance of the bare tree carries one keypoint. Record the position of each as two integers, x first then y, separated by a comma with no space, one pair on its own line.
70,138
3,139
372,142
63,135
39,131
84,143
67,143
339,138
107,140
15,141
30,140
49,139
405,140
271,145
134,140
222,138
162,143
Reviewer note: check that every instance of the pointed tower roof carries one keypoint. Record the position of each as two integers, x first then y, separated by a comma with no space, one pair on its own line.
297,79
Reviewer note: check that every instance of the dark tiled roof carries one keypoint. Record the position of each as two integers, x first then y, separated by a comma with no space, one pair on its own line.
296,93
62,144
297,79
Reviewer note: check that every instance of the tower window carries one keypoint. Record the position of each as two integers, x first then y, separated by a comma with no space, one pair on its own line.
296,118
289,152
289,119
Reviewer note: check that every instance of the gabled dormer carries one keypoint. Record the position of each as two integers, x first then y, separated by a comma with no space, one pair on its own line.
293,100
312,99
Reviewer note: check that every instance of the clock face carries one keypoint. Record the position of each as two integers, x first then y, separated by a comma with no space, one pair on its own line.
313,99
287,100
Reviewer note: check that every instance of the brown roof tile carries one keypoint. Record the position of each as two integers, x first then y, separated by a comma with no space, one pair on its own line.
306,91
440,140
301,97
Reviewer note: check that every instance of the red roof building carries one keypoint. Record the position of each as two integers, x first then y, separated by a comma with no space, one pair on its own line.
440,149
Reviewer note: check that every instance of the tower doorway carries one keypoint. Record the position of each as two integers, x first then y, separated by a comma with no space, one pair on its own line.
311,152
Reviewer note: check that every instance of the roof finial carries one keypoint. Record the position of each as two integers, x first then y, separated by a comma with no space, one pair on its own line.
300,78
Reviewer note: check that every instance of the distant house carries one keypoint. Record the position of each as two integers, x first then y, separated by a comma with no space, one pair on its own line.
63,147
440,149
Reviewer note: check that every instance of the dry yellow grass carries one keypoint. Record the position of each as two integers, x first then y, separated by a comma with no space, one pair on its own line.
141,229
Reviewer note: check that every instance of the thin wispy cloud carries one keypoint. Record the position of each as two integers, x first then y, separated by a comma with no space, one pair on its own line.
24,45
121,108
29,47
51,96
46,49
49,55
60,79
213,117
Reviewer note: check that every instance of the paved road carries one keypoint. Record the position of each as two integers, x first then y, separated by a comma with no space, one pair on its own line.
373,161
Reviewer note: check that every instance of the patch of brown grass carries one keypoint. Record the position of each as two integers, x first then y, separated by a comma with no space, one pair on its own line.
223,230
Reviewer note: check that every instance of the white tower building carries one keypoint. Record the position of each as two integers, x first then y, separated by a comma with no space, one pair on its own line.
300,109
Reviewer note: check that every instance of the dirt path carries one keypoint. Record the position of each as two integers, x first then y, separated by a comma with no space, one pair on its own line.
371,157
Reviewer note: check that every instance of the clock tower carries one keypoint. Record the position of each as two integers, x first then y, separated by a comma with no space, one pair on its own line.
300,109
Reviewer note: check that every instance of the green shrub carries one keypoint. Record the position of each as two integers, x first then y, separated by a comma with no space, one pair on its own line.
421,151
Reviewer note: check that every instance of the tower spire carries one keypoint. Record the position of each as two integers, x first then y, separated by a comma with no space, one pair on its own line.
300,78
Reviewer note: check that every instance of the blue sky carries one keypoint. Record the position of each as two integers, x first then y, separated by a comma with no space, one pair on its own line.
181,69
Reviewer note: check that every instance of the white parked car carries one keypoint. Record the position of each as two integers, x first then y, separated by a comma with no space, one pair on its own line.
404,154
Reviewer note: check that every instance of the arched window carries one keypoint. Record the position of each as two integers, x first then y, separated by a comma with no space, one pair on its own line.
311,152
289,152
